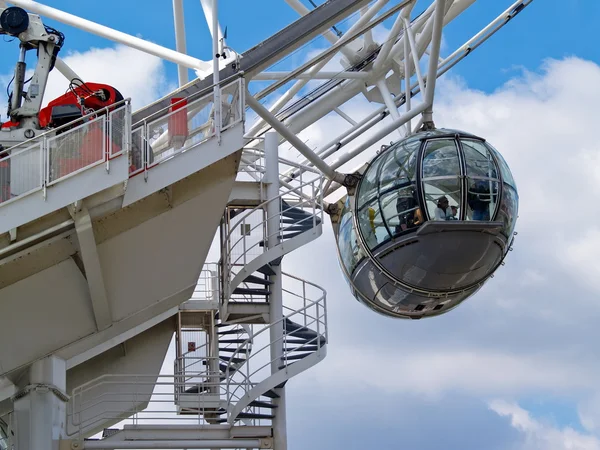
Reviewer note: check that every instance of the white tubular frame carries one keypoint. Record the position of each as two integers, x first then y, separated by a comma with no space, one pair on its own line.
114,35
401,55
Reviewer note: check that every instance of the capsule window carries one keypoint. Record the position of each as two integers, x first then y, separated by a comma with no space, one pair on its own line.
482,198
400,167
401,209
371,224
440,159
369,186
478,160
508,210
442,198
504,170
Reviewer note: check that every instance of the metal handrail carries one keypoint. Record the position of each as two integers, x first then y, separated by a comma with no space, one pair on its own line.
82,119
315,203
320,323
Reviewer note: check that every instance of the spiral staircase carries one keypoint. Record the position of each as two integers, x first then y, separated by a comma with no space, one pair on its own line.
249,377
249,266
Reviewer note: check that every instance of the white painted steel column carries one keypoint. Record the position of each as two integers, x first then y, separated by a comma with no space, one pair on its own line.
293,139
180,43
276,291
40,409
434,56
217,88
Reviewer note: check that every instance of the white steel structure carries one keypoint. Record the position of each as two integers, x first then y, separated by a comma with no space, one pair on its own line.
102,263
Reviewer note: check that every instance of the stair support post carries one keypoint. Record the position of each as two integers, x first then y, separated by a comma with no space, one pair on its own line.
271,179
40,408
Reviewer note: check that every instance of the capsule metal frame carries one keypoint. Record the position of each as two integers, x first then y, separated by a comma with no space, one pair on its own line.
420,301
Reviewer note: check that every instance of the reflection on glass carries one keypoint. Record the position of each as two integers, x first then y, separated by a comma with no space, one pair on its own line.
400,166
350,251
478,159
442,198
441,159
482,197
401,209
504,170
371,225
508,209
370,182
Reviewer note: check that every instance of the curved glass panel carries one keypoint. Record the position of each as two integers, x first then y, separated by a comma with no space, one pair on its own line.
400,166
350,251
478,160
442,198
504,169
371,224
482,198
369,184
509,208
401,210
440,159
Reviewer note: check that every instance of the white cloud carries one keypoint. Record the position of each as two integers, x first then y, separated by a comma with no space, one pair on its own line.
433,372
533,328
537,435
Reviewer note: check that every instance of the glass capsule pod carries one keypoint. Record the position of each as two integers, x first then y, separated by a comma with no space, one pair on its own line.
430,221
4,440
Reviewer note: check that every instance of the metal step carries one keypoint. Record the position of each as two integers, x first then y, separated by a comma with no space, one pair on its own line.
294,327
271,394
284,237
296,221
249,291
244,415
306,227
228,332
298,356
232,341
266,270
259,404
306,348
248,312
233,360
234,349
257,280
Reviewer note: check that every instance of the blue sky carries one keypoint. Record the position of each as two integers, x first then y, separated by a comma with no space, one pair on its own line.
546,29
532,361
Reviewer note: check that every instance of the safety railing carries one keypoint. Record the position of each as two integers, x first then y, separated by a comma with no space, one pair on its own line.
247,236
183,126
65,151
303,331
207,287
119,399
196,368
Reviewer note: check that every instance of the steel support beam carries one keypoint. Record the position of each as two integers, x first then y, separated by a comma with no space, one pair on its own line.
113,35
293,139
40,408
93,268
436,42
276,290
180,44
267,52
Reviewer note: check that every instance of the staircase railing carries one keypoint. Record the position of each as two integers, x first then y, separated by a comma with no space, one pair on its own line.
239,252
65,151
295,357
183,126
